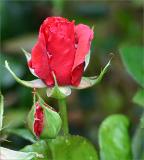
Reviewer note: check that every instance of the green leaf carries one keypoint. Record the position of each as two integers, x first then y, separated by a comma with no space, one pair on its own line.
137,144
139,97
24,133
37,83
1,110
72,148
87,82
133,59
7,154
114,140
64,148
41,147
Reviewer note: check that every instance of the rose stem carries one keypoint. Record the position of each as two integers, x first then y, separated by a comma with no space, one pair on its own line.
63,114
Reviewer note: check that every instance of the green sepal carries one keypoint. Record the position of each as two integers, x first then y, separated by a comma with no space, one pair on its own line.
27,54
30,119
52,122
87,82
28,57
87,59
37,83
58,92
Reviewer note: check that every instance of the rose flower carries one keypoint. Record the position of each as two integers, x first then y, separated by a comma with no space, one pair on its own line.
61,48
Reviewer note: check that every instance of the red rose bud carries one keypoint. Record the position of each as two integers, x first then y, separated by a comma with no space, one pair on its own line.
39,117
43,121
62,48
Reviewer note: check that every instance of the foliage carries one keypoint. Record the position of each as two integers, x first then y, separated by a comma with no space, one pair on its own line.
133,59
64,148
114,139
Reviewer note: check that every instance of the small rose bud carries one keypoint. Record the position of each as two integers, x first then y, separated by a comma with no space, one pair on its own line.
39,119
43,121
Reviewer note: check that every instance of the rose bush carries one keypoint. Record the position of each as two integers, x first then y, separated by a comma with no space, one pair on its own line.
61,48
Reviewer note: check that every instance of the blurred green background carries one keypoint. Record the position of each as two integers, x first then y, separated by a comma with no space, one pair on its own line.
115,23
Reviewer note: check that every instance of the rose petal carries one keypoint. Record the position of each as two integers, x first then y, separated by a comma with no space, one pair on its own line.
84,35
62,52
39,118
40,61
77,74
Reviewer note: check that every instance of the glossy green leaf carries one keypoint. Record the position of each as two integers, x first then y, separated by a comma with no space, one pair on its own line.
72,148
139,97
24,133
133,59
1,110
87,82
7,154
114,140
65,148
37,83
